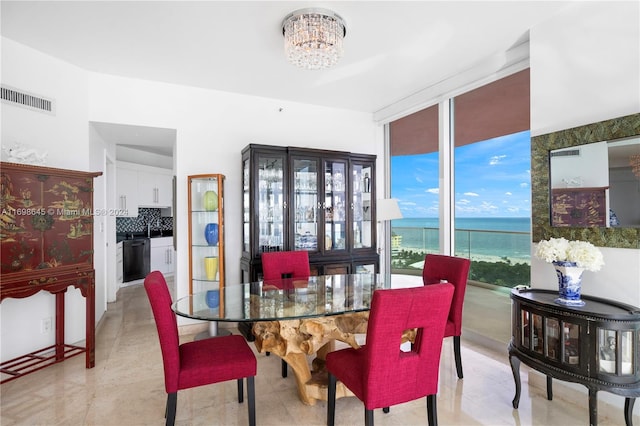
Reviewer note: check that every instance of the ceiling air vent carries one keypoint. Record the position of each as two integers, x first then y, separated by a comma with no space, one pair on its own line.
566,153
28,100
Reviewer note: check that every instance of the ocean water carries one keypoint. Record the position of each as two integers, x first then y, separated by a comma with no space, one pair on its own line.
476,238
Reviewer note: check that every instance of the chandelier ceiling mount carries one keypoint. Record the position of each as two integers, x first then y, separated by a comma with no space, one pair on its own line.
313,38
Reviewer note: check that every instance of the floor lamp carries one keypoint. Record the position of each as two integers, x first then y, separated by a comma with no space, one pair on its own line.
387,209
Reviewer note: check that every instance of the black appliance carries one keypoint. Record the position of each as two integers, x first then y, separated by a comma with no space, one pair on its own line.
136,257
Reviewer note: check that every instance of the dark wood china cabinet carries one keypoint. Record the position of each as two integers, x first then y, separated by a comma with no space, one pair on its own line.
308,199
596,345
47,245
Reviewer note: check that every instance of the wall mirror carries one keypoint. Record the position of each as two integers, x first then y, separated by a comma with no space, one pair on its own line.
596,184
611,138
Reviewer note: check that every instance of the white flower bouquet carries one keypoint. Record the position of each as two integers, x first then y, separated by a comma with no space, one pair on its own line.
584,254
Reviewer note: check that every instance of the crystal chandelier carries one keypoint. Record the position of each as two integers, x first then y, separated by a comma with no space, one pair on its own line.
313,38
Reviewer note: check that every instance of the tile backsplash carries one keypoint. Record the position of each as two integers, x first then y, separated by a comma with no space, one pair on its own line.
139,224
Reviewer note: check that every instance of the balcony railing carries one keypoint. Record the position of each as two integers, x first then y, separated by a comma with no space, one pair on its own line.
497,257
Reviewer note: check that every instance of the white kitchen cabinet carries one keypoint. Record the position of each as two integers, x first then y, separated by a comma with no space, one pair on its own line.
154,189
163,255
127,192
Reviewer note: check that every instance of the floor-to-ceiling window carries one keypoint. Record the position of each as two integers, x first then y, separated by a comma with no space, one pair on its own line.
460,171
414,182
490,180
491,175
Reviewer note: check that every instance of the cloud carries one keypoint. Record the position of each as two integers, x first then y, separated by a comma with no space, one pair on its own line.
433,190
524,185
496,159
419,179
508,193
463,202
471,194
408,203
486,206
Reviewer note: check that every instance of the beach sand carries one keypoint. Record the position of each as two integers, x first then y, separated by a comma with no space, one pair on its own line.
474,258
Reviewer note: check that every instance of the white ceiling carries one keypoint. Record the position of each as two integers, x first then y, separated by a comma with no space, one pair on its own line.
392,49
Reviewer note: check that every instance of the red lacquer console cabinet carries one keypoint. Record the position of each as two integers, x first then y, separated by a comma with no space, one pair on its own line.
46,230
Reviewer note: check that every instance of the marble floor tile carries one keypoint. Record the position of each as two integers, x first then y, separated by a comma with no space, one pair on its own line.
127,385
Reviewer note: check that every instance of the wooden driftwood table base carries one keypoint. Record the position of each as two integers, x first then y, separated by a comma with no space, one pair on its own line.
294,340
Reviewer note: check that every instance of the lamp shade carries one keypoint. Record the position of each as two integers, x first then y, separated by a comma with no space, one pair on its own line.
388,209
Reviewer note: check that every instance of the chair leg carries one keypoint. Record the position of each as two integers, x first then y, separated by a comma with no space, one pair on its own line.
240,392
284,368
368,417
331,400
456,353
170,410
432,410
251,395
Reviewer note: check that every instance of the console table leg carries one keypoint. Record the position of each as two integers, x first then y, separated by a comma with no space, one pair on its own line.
593,407
515,368
549,388
60,325
90,319
628,411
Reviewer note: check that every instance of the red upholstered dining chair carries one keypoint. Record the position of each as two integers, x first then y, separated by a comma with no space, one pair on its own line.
379,373
201,362
454,270
277,265
285,264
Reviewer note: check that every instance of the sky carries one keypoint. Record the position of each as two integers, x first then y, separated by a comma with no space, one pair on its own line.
492,179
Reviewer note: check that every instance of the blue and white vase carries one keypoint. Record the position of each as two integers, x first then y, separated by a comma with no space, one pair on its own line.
569,283
211,234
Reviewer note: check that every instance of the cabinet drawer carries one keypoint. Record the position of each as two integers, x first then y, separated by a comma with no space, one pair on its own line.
161,242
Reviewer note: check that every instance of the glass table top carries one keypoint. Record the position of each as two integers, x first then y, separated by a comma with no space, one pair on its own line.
283,299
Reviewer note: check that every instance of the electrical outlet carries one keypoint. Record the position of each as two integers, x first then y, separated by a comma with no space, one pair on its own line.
45,325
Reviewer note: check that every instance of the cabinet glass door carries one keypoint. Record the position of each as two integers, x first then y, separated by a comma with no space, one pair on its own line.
361,205
246,206
571,341
537,333
305,203
271,203
335,208
615,351
552,338
524,332
206,233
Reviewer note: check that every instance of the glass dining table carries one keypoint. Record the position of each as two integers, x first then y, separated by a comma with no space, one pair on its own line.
294,319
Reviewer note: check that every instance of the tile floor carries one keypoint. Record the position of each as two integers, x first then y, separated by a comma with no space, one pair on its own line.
127,388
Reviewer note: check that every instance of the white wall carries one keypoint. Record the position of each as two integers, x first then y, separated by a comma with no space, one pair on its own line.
213,127
585,68
64,136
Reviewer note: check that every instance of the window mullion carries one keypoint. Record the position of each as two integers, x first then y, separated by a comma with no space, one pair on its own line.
445,144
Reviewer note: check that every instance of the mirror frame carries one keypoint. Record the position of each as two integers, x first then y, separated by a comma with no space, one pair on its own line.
541,229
